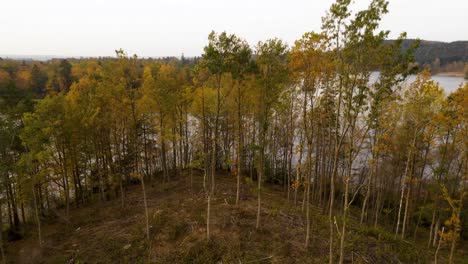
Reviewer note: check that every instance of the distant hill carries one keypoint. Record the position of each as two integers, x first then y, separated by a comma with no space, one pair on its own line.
30,57
447,52
428,51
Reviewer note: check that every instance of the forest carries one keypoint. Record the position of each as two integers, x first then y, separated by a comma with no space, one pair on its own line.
349,152
452,55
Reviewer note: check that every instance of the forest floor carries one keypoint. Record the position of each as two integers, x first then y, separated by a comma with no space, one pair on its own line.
106,232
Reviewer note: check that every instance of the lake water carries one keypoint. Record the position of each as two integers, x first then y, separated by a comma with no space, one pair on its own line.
449,83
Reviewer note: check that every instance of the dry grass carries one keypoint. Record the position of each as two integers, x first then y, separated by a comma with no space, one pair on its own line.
107,233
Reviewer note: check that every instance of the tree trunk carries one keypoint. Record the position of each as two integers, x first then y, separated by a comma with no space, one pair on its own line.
403,227
419,219
163,149
345,213
369,186
36,212
239,143
122,198
436,234
260,176
208,211
438,247
146,206
308,204
1,235
403,183
332,201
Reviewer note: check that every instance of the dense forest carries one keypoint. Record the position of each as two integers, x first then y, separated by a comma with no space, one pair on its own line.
440,56
307,119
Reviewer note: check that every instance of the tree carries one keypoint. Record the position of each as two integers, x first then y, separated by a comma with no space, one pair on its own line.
310,75
423,99
60,78
357,48
453,120
272,77
224,54
395,67
38,80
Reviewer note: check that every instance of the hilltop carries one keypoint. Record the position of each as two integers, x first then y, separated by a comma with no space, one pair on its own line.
447,52
106,232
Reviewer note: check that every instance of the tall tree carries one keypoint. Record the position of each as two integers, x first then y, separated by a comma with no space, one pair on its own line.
272,78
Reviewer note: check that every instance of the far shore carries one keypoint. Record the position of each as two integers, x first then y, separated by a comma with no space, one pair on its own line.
451,74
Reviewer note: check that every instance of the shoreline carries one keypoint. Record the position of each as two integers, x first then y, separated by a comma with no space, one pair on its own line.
450,74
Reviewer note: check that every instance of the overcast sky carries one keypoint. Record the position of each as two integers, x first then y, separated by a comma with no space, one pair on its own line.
173,27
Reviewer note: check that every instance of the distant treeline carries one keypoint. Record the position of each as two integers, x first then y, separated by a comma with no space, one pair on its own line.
35,79
440,56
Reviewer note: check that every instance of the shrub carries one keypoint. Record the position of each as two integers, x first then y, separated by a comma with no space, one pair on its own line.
204,252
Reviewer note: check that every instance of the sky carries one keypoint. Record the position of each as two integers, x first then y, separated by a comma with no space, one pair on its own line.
174,27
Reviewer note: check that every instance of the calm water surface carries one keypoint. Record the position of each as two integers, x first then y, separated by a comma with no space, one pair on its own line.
449,83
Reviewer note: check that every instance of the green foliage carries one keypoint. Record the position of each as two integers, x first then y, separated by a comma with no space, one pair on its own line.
226,54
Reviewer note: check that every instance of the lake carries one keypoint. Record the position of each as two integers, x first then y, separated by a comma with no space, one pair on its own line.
449,83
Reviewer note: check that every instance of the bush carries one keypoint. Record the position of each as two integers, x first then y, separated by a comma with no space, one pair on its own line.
393,247
158,222
377,233
178,230
204,252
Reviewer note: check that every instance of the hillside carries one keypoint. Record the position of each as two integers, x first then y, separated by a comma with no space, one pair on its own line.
104,232
447,52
